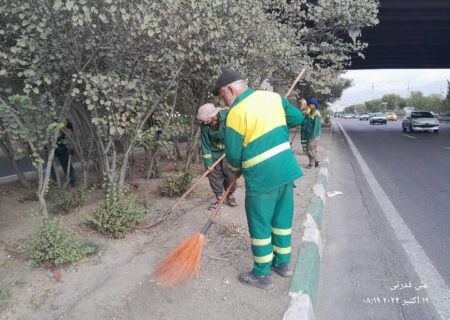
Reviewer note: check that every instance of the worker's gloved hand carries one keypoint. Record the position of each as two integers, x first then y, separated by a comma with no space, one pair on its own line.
210,169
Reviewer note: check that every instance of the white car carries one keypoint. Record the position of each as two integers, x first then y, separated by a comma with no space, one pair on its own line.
420,121
378,117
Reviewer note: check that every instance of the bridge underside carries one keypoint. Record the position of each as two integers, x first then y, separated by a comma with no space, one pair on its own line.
412,34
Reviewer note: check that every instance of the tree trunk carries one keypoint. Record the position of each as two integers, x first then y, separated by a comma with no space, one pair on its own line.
20,175
139,128
193,150
41,189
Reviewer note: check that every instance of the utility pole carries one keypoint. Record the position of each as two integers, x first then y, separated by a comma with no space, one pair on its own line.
385,104
408,90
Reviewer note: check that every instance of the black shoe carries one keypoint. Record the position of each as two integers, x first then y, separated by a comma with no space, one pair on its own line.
317,164
214,203
283,270
231,201
261,282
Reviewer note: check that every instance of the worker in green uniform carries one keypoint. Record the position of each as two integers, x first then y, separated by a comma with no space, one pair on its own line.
213,147
304,127
313,127
257,145
63,152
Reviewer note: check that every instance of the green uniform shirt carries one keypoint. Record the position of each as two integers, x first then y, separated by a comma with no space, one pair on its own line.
213,139
257,140
305,127
316,119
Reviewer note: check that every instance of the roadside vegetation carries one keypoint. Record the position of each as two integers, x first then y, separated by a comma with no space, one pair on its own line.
130,80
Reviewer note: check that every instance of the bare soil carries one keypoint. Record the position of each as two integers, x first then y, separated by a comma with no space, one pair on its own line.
117,283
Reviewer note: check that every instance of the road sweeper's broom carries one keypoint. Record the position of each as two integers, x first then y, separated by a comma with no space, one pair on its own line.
184,262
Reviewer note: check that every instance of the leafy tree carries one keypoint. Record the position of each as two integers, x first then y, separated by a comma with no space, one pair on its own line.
115,67
393,101
374,105
30,132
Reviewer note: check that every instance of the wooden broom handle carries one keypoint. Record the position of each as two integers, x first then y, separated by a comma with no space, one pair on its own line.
295,82
290,91
214,214
196,183
167,213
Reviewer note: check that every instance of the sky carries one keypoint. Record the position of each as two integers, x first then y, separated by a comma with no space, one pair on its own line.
373,84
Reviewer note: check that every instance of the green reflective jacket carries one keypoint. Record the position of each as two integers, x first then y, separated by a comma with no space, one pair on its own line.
312,125
257,140
316,120
213,139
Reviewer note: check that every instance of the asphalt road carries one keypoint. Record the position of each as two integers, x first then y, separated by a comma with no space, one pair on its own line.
363,257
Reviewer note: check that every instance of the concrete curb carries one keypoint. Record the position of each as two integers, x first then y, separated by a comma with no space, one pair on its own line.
305,280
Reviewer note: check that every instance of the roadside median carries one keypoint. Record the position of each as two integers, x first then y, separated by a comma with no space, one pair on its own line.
305,280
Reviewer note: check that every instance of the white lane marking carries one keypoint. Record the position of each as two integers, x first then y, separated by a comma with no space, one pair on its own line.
437,289
447,148
409,136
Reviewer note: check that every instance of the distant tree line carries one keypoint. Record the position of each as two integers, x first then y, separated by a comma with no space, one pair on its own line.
393,102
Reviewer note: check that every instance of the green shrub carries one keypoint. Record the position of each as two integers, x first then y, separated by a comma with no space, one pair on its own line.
175,186
118,214
64,200
55,245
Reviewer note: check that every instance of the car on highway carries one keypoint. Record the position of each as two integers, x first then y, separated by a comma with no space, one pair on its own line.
391,116
364,117
420,121
378,117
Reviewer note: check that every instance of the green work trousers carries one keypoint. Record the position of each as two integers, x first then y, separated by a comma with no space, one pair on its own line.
269,217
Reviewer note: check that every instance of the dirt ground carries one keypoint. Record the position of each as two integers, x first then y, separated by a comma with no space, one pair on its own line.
117,282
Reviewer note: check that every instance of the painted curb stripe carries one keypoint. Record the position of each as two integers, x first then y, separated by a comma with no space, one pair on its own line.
316,210
306,274
323,180
312,234
319,191
300,308
323,171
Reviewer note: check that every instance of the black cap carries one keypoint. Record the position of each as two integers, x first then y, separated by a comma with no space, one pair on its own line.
228,76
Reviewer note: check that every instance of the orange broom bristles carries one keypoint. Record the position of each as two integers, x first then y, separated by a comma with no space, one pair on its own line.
182,264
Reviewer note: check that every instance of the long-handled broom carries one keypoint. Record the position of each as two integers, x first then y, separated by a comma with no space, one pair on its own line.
184,262
289,93
168,212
